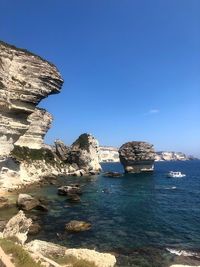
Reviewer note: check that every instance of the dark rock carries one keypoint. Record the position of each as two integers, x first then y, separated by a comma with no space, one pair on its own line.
112,174
42,207
74,198
2,225
34,229
137,157
69,190
3,202
77,226
61,150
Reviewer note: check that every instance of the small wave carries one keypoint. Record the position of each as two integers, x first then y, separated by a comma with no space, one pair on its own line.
170,188
183,253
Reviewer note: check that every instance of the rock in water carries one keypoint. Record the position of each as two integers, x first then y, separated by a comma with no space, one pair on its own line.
27,202
85,153
17,227
137,157
69,189
77,226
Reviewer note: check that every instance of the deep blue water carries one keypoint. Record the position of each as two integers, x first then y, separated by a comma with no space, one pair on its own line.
132,211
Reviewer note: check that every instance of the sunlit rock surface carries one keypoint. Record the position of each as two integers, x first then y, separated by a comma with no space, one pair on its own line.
40,122
137,157
85,153
25,79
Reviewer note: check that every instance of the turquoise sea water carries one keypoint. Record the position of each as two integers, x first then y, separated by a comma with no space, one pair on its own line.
131,212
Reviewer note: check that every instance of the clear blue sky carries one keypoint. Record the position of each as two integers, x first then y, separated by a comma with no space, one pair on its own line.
131,67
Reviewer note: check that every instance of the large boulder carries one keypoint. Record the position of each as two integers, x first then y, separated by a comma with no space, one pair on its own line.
17,227
137,157
27,202
85,153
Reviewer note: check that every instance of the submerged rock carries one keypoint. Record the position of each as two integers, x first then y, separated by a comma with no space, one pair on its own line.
17,227
78,226
137,157
74,198
112,174
69,190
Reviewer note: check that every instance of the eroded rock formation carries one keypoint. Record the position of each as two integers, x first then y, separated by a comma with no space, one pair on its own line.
25,79
137,157
85,153
39,123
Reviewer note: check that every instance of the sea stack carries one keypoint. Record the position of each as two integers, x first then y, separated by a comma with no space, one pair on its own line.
137,157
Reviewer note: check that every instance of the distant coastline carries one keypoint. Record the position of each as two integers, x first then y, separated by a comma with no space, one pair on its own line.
110,154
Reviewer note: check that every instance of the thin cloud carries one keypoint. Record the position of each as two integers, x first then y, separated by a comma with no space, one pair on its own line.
153,111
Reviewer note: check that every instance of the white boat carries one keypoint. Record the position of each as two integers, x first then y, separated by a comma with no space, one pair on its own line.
172,174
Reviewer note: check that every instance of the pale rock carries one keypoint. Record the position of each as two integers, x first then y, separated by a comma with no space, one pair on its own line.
85,153
47,249
99,259
40,122
25,79
18,227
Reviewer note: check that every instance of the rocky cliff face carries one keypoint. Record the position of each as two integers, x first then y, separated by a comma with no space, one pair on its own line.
137,157
39,123
25,79
108,154
170,156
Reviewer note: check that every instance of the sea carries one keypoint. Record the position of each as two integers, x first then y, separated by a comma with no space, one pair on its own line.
146,220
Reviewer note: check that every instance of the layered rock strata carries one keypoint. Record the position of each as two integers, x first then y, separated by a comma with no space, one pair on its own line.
25,79
137,157
39,123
